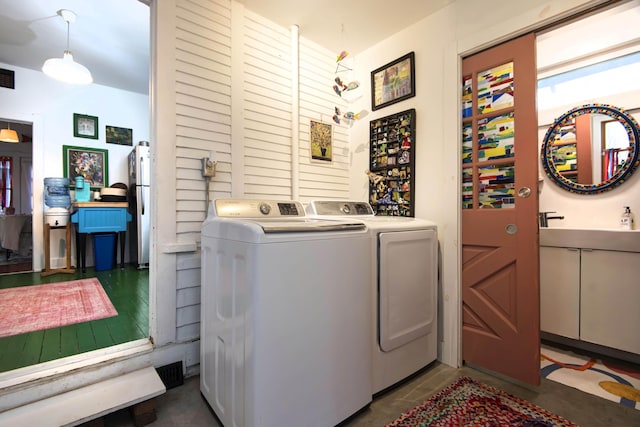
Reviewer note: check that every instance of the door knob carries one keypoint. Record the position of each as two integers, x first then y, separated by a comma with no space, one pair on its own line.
524,192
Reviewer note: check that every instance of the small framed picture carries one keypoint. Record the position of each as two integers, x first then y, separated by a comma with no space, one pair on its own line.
320,138
120,136
85,126
393,82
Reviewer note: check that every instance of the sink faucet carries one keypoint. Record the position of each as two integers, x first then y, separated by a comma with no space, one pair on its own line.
544,218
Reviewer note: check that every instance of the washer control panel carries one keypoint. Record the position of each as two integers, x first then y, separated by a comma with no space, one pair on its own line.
240,208
339,208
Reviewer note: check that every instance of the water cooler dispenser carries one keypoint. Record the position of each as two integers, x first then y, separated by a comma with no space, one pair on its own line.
57,201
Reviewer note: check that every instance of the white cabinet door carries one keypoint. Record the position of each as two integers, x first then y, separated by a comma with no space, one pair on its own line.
609,299
560,291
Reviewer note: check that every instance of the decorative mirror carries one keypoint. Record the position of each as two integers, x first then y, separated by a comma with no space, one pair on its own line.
591,148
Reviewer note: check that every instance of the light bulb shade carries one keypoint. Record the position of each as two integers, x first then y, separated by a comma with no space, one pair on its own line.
9,135
67,70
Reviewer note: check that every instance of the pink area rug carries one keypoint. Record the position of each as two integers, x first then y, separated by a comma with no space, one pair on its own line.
34,308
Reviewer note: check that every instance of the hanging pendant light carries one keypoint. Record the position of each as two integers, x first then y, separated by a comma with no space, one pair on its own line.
9,135
66,69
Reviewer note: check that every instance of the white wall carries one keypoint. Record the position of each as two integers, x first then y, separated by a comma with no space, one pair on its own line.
50,105
223,84
439,42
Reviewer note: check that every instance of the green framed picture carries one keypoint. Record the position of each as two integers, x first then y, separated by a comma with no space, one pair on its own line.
90,163
85,126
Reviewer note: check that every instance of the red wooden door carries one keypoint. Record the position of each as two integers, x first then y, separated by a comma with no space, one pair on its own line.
500,278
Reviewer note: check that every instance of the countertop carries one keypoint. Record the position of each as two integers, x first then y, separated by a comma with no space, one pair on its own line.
100,205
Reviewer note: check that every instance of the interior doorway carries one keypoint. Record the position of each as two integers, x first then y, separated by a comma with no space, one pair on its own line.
577,67
133,323
16,198
500,307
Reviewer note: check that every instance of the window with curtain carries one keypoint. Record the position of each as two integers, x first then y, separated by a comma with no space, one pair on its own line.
6,181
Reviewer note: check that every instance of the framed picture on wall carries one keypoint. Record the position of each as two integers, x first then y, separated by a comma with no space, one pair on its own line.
85,126
90,163
393,82
321,141
120,136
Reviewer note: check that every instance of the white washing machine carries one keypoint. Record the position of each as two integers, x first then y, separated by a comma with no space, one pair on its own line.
404,253
285,315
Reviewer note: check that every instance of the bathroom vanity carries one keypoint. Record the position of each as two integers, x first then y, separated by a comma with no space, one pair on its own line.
589,290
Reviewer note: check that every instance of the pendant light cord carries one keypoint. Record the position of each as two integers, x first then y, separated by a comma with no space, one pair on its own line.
67,36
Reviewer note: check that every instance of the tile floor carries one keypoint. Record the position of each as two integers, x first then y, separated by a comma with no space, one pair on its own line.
184,405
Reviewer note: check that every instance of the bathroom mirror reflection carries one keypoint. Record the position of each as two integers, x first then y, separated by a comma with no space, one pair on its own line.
591,148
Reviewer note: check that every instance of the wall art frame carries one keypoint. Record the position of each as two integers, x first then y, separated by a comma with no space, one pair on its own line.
391,164
553,143
85,126
90,163
393,82
321,141
119,136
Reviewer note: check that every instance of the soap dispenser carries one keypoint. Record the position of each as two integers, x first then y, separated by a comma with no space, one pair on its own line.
627,221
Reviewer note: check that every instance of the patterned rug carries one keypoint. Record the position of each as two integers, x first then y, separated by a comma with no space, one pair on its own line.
599,377
468,402
34,308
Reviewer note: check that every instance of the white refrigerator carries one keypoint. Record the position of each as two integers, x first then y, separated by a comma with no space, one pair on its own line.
139,204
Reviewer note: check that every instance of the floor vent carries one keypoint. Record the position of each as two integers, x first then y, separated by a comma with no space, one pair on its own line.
171,375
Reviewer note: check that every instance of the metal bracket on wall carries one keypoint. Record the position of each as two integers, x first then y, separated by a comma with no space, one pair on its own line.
208,167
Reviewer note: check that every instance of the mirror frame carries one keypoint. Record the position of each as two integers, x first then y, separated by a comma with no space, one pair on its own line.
633,131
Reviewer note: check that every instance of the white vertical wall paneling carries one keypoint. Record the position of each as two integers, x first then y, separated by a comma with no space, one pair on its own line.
267,109
234,92
295,113
203,129
203,99
188,297
162,266
237,95
320,179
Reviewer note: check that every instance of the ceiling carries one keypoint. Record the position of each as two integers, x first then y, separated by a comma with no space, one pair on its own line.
111,37
345,25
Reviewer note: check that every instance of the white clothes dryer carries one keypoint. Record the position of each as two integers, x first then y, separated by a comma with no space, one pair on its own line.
404,254
285,315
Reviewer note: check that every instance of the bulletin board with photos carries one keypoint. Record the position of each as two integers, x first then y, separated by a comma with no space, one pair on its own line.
392,153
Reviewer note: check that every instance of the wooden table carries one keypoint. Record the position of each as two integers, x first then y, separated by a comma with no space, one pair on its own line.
47,251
